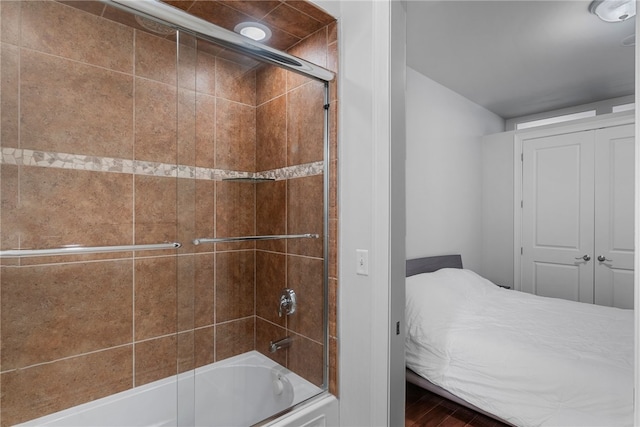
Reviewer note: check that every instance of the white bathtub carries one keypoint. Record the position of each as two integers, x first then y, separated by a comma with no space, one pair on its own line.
239,391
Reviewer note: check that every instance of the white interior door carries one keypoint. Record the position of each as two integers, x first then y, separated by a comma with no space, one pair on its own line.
614,216
557,216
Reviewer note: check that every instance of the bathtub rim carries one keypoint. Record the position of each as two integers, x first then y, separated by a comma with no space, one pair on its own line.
240,360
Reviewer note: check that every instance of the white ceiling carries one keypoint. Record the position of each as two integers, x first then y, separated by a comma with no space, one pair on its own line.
520,57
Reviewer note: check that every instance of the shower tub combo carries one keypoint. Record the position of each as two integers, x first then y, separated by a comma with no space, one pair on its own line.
240,391
100,332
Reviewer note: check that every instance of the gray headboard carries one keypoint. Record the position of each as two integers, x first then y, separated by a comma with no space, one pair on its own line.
432,263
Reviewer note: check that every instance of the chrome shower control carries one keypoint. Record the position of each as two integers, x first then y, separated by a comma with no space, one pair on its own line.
287,302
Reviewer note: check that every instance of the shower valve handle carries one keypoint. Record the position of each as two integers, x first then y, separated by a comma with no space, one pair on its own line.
287,302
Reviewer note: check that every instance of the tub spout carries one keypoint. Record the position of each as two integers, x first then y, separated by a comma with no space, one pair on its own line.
281,343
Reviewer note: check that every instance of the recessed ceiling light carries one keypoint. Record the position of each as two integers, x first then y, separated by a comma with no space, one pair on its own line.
254,30
613,10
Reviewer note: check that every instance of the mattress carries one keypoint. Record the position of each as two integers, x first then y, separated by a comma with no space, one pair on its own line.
530,360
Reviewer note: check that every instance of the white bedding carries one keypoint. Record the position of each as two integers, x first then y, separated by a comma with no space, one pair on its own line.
530,360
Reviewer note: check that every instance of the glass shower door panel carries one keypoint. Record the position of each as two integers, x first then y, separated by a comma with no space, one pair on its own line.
190,265
84,113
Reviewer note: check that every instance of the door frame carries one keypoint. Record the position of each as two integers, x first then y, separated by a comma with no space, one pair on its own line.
592,123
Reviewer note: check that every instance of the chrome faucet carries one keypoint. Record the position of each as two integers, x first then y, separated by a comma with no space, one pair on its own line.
281,343
287,302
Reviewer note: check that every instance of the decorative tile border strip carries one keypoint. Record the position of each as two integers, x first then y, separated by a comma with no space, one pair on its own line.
22,157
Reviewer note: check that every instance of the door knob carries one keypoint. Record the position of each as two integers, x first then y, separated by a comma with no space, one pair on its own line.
584,258
601,258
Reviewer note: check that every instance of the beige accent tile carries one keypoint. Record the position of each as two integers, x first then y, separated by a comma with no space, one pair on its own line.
235,213
54,311
155,122
271,214
155,211
40,390
271,135
61,207
305,124
155,359
235,82
155,297
233,338
305,214
306,358
235,285
77,109
10,95
267,332
155,58
304,276
271,279
57,29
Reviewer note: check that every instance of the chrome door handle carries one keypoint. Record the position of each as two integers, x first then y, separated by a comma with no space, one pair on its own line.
584,258
601,258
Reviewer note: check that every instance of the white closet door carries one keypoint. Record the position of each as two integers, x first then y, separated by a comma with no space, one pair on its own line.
557,216
614,216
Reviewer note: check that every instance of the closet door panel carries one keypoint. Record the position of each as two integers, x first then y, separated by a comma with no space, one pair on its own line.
614,216
558,216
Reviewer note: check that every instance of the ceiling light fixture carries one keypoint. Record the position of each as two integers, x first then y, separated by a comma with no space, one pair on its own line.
254,30
613,10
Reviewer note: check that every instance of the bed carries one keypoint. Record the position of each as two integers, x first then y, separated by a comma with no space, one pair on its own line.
522,359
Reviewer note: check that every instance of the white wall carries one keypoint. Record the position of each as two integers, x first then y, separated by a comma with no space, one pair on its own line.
370,217
498,208
443,170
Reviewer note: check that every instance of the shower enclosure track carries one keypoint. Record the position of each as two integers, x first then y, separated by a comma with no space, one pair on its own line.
78,250
255,238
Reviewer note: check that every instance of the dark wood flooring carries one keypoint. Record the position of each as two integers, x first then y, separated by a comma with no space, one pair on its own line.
425,409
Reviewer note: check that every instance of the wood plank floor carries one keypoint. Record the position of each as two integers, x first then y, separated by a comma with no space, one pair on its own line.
425,409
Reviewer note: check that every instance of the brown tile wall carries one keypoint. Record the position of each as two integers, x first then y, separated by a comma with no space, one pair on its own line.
99,324
296,206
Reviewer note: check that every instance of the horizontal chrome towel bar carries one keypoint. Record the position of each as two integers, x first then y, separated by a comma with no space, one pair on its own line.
78,250
254,238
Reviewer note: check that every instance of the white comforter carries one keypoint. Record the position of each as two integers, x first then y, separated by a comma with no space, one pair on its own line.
530,360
